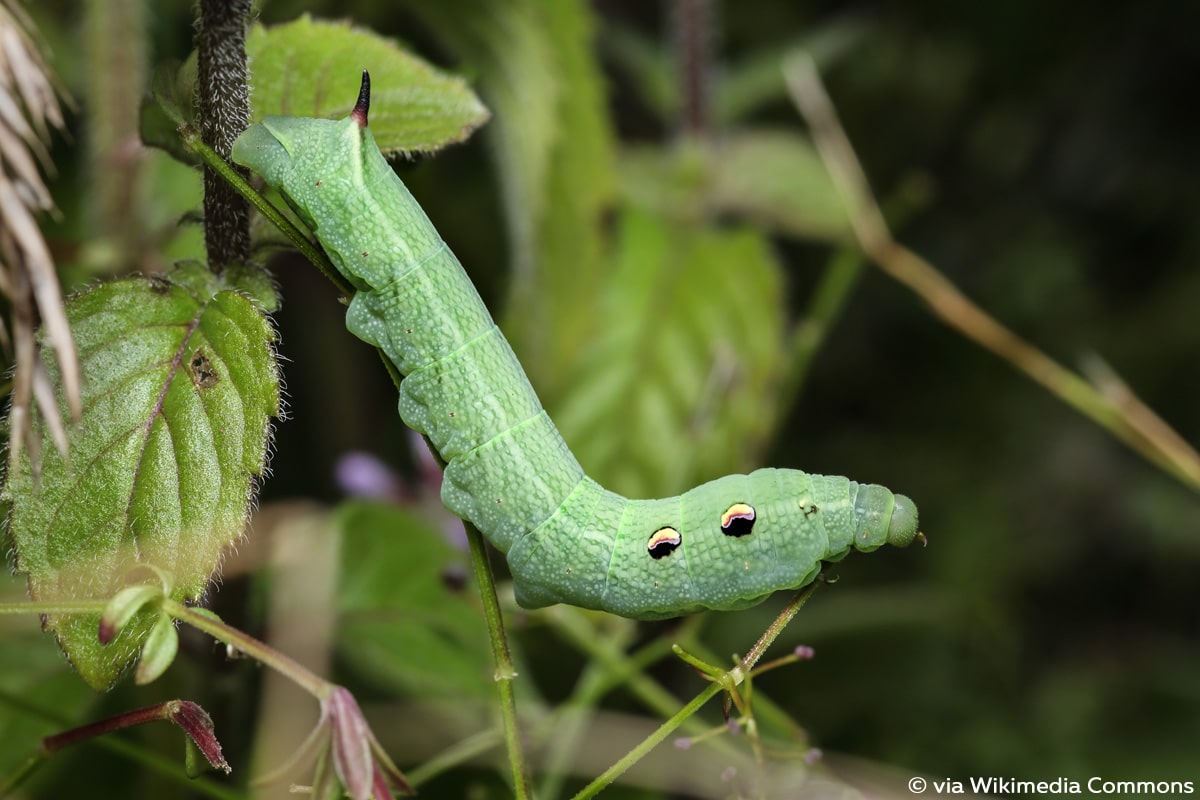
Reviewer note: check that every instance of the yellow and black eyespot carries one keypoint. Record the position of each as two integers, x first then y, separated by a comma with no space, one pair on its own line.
738,520
663,542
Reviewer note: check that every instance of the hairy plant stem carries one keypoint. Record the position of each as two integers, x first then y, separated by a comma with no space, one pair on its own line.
223,110
261,652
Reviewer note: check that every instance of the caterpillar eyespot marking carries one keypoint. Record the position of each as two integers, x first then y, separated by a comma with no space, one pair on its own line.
738,520
420,308
663,542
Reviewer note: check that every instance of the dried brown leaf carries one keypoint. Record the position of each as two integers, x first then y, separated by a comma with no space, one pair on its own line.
28,110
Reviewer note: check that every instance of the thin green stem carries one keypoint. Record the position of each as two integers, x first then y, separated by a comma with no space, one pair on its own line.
505,671
736,676
563,731
705,668
765,709
775,628
302,676
649,743
74,607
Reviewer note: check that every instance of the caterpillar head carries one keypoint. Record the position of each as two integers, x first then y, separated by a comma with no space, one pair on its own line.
286,150
333,176
298,155
903,526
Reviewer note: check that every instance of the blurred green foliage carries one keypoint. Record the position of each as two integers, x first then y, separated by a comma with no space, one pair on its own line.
1042,156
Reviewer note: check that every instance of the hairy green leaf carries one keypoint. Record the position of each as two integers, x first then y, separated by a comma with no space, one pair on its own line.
180,383
414,107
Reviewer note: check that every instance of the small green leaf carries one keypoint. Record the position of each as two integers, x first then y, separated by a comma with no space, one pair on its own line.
414,107
159,650
180,384
123,606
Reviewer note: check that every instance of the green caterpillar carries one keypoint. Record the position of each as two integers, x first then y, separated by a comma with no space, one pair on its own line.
725,545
